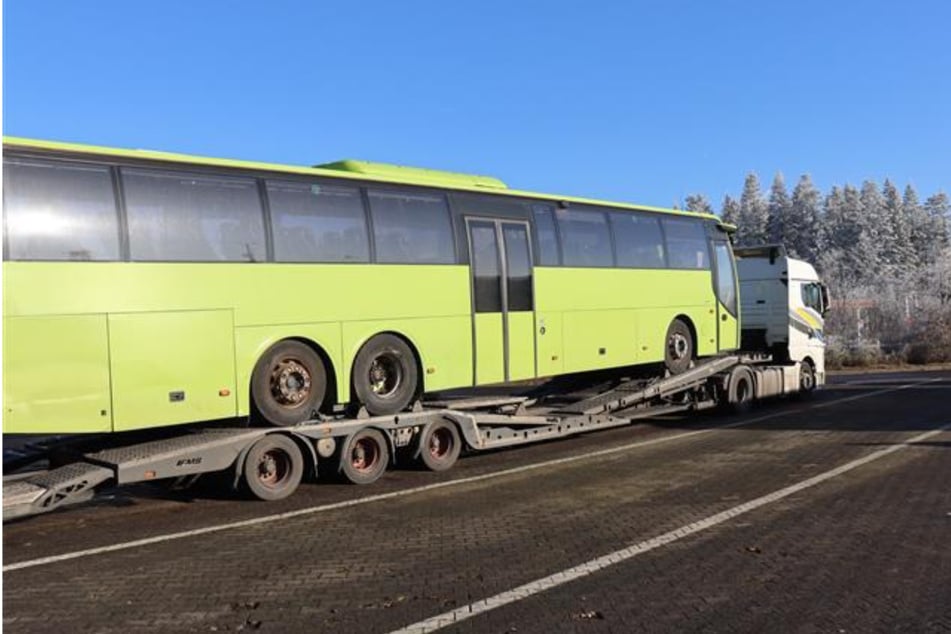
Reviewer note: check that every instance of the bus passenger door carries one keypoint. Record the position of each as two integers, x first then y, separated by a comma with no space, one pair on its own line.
503,329
727,292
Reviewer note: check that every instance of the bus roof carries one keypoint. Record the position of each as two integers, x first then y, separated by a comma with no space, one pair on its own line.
358,170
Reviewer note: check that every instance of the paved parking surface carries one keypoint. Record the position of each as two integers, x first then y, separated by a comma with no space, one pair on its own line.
828,515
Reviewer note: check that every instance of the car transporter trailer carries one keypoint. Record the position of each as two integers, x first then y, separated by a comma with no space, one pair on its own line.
270,462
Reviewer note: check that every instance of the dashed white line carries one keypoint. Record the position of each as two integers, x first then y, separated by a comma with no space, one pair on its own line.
157,539
590,567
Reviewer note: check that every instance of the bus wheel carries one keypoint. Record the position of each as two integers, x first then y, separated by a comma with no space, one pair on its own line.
364,456
385,375
439,446
273,467
288,384
678,350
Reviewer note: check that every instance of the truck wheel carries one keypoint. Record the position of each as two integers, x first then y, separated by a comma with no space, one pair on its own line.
385,375
288,383
364,456
273,467
807,378
740,392
678,348
439,446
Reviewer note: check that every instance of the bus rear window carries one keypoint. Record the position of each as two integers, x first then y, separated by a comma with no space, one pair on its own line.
686,244
190,217
55,210
317,223
411,228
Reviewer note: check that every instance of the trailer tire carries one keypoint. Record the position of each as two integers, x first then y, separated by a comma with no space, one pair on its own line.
364,456
385,375
439,446
288,384
273,467
678,347
740,391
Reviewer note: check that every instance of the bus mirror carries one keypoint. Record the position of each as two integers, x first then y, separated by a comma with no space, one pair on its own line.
825,298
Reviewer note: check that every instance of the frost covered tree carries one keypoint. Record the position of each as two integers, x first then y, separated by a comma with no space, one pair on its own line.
698,203
753,213
777,211
802,223
730,210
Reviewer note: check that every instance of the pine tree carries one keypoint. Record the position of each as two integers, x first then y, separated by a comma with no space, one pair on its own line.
897,248
777,210
753,213
730,210
938,210
919,225
698,203
874,229
802,225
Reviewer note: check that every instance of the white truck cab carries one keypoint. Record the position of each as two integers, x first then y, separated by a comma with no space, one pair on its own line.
782,308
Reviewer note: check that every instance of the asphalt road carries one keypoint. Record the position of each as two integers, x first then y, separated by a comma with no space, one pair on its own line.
826,515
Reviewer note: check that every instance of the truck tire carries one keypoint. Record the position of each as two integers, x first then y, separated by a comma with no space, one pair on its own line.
273,467
740,391
678,347
385,375
807,378
288,384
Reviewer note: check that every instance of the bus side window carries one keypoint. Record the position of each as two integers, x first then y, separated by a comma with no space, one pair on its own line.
638,241
56,210
546,235
193,217
317,222
411,227
585,238
686,243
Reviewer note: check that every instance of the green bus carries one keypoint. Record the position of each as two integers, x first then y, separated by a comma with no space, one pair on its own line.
145,289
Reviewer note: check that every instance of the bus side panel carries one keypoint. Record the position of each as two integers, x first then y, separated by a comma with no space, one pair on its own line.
624,311
600,339
521,345
549,344
56,375
443,343
171,367
251,342
489,348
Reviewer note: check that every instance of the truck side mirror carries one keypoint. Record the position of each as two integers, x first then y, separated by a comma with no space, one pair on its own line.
825,298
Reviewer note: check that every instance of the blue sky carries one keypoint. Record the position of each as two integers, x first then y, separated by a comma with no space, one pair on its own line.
636,101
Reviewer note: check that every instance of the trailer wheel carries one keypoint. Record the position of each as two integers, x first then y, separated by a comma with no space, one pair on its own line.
364,456
678,347
273,467
288,384
740,391
385,375
439,446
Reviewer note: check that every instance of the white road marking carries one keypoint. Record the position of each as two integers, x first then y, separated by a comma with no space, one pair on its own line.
601,563
157,539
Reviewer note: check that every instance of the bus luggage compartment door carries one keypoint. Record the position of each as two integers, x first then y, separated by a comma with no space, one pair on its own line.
171,367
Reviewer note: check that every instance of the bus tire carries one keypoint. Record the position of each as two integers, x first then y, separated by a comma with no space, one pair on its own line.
288,384
273,467
364,456
385,375
439,446
678,347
